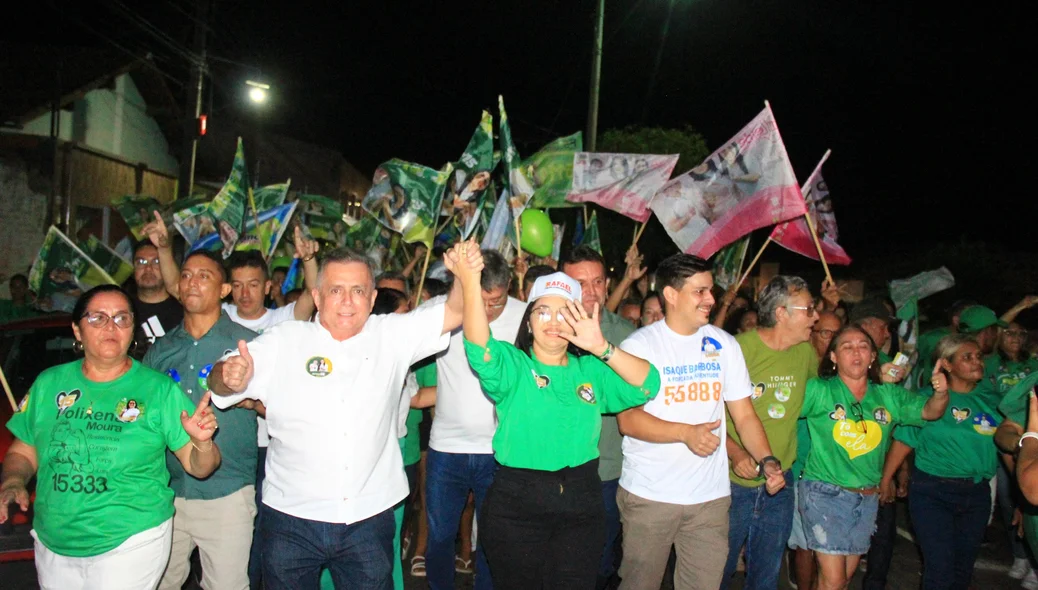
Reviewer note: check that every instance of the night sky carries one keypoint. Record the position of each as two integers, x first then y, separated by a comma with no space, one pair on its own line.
923,110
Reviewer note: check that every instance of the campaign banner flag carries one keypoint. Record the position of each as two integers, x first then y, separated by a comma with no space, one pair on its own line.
591,237
62,272
498,227
556,246
195,223
746,184
228,207
268,197
728,262
406,198
578,231
550,171
116,266
139,210
625,183
795,235
319,206
272,226
467,186
520,189
921,285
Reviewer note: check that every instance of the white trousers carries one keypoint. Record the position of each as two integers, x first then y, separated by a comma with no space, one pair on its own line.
136,564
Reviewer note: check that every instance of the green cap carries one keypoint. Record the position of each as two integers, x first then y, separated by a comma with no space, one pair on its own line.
976,318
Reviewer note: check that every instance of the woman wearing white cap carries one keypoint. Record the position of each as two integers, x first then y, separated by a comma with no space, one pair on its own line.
544,510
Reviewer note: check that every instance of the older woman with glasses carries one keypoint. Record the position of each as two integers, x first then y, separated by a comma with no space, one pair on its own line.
94,433
850,413
1011,362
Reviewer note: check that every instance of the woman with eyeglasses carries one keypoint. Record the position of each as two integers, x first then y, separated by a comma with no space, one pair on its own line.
850,413
1011,362
543,513
94,433
955,458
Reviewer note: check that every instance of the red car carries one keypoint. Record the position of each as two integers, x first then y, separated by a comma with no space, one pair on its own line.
27,347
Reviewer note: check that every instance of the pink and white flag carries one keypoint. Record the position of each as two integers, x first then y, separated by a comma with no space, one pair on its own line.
747,184
795,235
624,183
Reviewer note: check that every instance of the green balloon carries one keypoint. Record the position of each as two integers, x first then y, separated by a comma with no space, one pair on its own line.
537,234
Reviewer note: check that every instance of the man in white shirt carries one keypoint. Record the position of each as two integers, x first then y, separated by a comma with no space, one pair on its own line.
331,390
674,488
461,454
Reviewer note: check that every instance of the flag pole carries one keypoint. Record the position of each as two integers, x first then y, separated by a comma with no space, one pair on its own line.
752,262
644,223
7,390
518,250
818,246
421,281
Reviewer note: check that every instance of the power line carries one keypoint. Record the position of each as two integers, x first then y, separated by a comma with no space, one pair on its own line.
155,32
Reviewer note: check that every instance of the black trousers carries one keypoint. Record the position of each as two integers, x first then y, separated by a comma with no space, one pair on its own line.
544,529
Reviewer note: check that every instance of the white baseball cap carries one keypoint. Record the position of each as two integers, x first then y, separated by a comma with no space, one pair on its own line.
558,284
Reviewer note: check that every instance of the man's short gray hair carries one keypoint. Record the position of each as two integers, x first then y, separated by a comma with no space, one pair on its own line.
345,256
775,295
496,272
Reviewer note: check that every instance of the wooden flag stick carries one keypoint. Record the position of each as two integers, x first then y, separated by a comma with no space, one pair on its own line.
421,281
518,250
752,263
638,235
7,390
586,219
818,245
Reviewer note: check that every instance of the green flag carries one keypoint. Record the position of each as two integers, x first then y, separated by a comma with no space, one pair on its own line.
62,272
272,225
139,210
467,186
520,190
228,207
406,198
319,206
728,262
591,238
268,197
113,264
550,170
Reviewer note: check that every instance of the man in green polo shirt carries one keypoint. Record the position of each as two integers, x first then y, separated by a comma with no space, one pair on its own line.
780,360
215,514
588,268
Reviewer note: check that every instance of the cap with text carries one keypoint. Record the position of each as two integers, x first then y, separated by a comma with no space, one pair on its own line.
557,284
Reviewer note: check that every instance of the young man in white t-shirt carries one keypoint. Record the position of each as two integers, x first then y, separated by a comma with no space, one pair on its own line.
674,489
461,453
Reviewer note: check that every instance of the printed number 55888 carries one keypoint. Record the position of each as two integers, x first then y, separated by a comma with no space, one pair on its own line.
703,391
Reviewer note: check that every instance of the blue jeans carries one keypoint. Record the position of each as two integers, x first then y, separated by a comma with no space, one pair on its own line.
1008,495
255,555
881,548
612,527
762,523
358,555
448,479
949,516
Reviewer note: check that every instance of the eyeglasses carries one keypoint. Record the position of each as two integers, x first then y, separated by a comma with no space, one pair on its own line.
824,333
545,314
147,261
808,310
859,416
99,319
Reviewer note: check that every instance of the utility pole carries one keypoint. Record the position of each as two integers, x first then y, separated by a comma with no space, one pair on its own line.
596,75
187,168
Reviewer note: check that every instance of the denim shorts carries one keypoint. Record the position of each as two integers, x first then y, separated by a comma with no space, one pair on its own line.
836,521
797,538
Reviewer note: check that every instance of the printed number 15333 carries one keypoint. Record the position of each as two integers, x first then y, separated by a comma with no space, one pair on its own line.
703,391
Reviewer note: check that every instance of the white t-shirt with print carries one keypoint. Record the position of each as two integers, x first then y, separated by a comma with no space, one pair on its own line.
698,374
271,318
465,417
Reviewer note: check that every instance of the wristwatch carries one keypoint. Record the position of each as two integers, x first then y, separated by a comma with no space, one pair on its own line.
608,354
768,459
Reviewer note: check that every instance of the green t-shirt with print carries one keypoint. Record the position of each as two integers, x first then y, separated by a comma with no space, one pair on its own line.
101,449
961,443
849,439
1004,373
779,379
550,416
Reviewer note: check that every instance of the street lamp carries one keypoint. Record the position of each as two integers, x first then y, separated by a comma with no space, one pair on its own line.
257,91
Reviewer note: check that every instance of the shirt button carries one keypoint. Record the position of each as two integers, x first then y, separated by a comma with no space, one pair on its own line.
196,344
189,391
192,367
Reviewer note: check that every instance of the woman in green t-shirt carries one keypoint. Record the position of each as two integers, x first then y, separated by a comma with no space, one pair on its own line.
1011,362
955,458
850,413
104,509
543,514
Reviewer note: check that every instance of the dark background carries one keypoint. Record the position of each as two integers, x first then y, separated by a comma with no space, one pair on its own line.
921,103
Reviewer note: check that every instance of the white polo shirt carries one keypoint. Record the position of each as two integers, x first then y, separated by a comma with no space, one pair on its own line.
269,319
465,417
698,374
332,411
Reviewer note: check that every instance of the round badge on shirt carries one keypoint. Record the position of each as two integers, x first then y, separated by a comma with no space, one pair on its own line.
776,411
783,393
319,366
